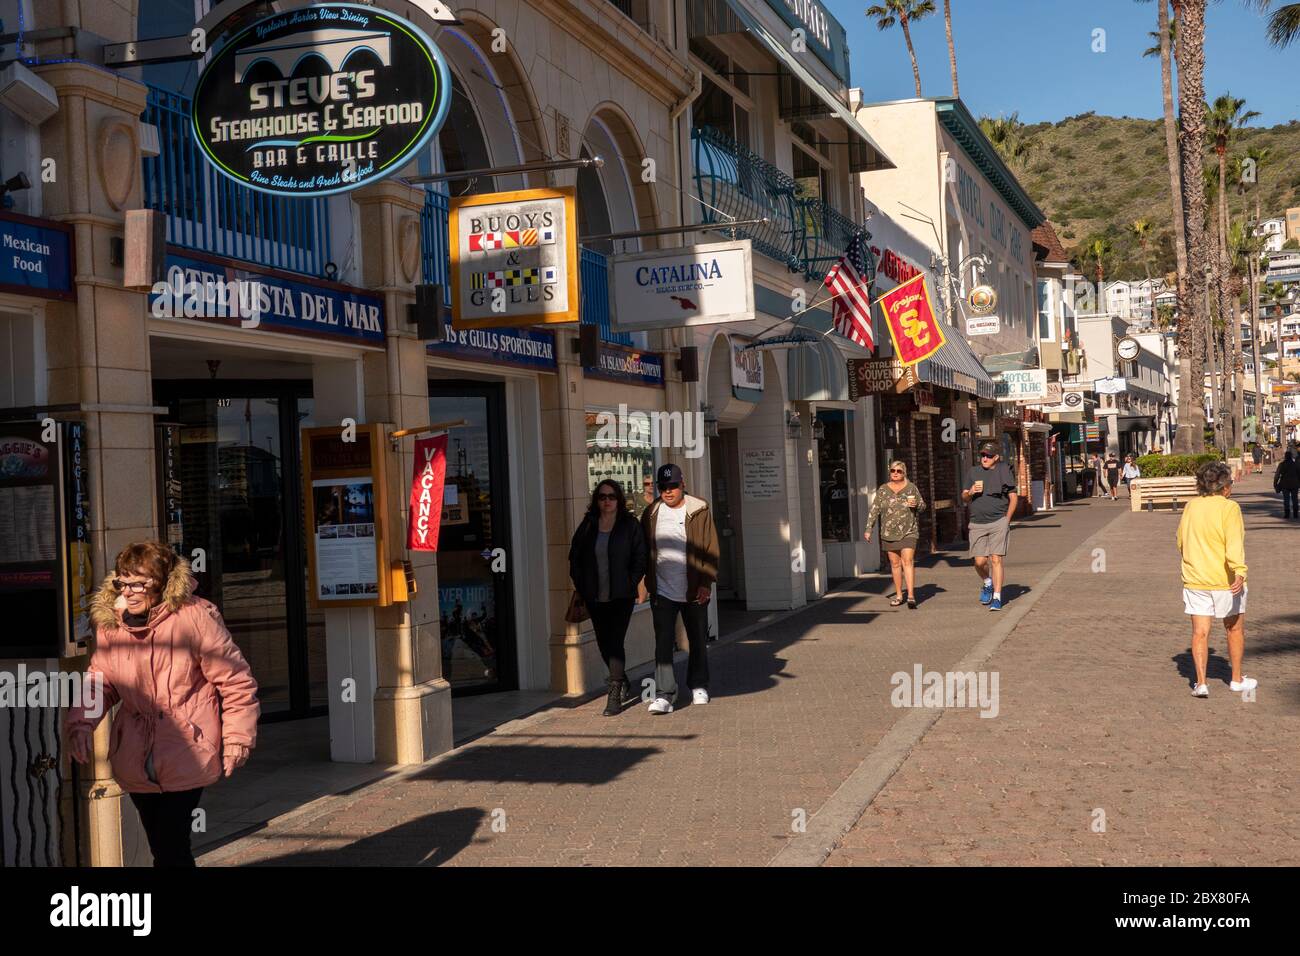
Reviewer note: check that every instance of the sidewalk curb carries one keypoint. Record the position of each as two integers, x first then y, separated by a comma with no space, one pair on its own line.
850,801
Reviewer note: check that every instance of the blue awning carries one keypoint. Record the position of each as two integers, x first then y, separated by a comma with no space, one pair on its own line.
955,366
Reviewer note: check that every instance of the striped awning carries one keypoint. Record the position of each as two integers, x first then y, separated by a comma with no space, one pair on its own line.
955,366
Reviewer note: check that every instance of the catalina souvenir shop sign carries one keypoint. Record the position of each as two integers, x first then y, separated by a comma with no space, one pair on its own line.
320,100
36,257
689,285
209,289
514,258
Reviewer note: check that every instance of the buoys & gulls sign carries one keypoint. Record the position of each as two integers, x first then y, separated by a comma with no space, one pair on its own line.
320,100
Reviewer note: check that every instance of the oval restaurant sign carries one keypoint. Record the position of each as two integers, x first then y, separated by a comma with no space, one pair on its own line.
320,100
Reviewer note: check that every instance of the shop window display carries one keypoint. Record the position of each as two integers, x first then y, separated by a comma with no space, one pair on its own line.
620,445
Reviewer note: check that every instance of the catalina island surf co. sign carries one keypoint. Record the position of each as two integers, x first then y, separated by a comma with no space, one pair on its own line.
320,100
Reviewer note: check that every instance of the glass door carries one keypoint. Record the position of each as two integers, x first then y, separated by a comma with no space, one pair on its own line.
474,597
237,481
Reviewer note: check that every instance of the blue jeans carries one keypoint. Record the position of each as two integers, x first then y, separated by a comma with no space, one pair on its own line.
1290,507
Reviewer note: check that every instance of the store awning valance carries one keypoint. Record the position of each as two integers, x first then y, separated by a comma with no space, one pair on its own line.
818,372
802,95
1138,423
955,366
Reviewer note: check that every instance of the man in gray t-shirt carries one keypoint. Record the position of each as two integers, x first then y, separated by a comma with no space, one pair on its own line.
992,499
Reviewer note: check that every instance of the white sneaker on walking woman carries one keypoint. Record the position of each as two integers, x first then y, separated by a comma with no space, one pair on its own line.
1201,690
1246,683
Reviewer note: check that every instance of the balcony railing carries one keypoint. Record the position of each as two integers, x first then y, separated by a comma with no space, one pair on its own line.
593,280
803,233
210,213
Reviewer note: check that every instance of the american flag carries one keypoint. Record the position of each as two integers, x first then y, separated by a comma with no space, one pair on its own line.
849,282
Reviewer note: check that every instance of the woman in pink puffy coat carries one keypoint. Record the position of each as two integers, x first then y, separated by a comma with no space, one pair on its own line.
189,701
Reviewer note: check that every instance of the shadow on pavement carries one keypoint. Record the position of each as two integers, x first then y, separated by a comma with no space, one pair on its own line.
430,840
1217,668
581,766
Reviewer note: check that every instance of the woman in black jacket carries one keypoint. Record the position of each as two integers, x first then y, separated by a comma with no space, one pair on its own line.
607,563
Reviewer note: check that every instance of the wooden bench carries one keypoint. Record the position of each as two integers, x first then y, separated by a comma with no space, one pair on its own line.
1156,491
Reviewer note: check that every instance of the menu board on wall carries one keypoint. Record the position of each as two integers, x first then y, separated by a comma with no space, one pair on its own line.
760,471
345,492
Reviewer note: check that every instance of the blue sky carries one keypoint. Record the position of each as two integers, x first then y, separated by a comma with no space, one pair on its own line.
1035,57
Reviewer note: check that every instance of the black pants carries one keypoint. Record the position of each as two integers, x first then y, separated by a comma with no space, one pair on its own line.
609,620
1290,507
168,820
696,619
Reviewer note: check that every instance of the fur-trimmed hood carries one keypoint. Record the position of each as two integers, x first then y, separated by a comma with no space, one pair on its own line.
107,606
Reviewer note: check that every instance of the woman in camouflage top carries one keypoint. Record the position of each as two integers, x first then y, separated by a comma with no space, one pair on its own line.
897,504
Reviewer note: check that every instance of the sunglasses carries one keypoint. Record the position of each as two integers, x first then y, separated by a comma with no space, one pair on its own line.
988,456
895,471
606,496
132,587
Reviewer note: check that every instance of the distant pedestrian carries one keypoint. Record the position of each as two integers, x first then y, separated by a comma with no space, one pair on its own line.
606,564
1087,480
1130,472
1286,479
681,567
897,503
1257,456
189,707
992,498
1212,542
1099,467
1112,475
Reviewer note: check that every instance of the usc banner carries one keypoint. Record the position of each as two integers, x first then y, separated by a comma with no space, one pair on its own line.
915,332
426,493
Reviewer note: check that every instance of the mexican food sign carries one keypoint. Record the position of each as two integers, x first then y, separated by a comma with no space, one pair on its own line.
320,100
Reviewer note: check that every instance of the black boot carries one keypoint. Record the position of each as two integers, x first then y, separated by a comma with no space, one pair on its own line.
614,703
629,692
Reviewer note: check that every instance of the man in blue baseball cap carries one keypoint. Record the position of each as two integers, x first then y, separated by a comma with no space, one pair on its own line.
681,567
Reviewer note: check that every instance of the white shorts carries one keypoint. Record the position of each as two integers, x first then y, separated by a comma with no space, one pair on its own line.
1217,604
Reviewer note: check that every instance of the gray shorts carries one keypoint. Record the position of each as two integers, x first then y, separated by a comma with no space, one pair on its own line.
986,539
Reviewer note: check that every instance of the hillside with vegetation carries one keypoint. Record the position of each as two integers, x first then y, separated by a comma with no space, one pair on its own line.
1095,175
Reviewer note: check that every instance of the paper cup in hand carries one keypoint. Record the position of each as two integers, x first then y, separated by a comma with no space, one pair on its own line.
911,501
979,486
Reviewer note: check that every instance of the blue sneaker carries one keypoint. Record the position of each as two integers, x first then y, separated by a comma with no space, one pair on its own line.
986,594
995,604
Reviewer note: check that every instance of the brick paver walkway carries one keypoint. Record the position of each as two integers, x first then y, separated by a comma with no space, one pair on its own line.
1096,714
797,707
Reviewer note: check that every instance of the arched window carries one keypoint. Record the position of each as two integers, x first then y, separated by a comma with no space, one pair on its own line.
169,18
463,144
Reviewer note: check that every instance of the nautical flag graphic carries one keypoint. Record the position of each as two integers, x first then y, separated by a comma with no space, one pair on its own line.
499,279
510,239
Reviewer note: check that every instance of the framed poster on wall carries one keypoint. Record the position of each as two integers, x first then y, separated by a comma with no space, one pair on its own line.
345,493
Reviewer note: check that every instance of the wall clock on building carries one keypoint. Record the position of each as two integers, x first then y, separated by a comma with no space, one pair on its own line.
1127,348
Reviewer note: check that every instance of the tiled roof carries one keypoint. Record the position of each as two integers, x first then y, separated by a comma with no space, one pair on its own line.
1046,245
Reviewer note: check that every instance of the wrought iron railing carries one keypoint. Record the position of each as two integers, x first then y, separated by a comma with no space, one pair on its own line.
210,213
803,233
593,280
594,310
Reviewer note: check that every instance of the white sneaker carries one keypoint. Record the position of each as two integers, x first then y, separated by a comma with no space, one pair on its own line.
661,705
699,696
1201,690
1246,683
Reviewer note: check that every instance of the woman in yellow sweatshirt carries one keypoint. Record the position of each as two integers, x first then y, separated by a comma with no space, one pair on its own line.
1212,541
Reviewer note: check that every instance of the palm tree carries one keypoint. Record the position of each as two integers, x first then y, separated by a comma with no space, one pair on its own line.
1165,36
1275,294
1008,136
1284,24
952,50
1141,229
1098,251
1193,324
1246,248
1225,117
904,13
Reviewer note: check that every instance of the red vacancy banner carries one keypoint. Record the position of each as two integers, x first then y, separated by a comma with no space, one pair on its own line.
426,493
915,332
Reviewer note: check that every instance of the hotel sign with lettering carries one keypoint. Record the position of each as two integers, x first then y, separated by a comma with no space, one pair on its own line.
823,34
